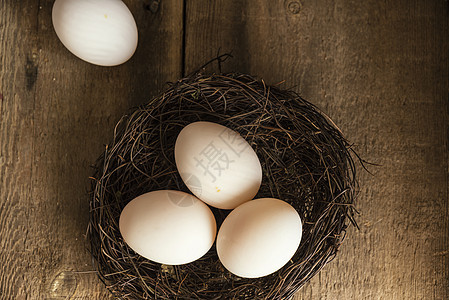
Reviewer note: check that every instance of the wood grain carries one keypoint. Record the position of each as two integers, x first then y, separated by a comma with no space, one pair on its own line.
16,136
380,70
57,112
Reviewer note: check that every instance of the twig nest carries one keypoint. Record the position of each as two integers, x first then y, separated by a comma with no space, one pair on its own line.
305,161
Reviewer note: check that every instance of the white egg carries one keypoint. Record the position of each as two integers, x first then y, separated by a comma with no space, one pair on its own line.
259,237
102,32
217,164
168,227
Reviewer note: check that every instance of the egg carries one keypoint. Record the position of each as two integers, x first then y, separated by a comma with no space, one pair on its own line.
168,227
259,237
217,164
101,32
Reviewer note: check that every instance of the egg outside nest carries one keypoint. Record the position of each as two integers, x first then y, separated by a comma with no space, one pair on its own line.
305,161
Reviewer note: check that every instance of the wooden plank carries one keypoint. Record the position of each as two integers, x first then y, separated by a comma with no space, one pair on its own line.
56,114
16,135
380,70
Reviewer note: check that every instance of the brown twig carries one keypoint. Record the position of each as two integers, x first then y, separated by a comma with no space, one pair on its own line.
305,160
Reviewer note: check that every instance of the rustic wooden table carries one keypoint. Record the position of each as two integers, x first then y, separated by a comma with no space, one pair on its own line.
379,69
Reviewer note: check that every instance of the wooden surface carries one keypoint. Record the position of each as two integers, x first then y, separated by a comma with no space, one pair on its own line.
379,69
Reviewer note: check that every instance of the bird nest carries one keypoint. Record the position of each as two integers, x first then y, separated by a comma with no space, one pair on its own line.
305,160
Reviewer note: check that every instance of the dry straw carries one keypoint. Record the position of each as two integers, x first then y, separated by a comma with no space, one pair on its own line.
305,160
